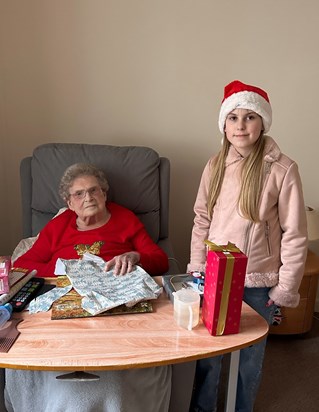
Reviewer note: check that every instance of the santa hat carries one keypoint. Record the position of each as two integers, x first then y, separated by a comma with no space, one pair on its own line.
238,95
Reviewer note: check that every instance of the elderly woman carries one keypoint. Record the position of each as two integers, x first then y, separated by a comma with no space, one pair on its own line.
92,224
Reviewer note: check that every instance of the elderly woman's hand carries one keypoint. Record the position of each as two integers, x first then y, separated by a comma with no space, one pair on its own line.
123,264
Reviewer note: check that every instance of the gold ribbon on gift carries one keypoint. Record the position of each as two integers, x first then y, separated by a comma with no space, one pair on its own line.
230,247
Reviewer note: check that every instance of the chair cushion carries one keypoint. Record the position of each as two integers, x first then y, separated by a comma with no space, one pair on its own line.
132,173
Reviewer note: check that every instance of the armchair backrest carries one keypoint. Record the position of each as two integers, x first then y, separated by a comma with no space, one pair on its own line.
139,179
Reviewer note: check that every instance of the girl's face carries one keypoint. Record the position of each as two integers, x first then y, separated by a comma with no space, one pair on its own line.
243,128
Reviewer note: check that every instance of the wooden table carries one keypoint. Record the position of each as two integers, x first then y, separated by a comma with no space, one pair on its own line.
126,341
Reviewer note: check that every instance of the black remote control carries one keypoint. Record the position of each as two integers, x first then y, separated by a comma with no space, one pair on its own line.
28,292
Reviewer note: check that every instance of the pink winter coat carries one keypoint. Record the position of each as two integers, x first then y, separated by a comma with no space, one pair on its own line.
276,246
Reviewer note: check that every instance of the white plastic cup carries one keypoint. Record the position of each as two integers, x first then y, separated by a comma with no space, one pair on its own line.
186,308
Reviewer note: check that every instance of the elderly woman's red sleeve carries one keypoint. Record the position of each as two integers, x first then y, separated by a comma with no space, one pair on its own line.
38,257
153,259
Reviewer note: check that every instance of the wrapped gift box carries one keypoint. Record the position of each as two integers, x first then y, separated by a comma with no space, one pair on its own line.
224,289
5,266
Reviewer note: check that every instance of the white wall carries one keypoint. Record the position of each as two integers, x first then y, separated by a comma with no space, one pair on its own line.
152,72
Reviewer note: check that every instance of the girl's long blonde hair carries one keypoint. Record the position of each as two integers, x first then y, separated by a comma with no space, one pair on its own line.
252,177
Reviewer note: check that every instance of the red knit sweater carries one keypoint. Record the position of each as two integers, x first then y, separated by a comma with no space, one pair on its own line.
122,233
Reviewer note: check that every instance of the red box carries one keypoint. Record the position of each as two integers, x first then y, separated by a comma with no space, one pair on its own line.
5,266
224,289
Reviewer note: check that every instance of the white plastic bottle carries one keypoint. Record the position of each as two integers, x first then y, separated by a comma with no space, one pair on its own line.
5,314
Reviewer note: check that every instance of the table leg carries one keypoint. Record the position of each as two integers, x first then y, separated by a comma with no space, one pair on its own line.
232,381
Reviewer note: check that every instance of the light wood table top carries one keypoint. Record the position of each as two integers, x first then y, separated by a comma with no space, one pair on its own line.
121,341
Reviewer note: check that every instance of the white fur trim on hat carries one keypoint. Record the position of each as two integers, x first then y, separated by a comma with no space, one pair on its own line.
246,100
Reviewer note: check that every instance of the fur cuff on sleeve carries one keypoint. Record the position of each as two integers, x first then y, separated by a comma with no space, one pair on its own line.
283,298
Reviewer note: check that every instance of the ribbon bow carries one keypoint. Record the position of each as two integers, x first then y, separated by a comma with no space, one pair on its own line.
230,247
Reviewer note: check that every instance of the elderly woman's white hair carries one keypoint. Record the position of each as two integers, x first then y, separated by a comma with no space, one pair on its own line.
77,170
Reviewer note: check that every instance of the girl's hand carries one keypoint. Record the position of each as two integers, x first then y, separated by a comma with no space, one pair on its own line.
269,303
123,264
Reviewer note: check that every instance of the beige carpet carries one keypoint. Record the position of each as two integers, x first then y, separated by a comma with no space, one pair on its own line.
291,373
290,380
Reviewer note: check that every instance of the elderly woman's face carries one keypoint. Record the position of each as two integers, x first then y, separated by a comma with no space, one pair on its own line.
86,197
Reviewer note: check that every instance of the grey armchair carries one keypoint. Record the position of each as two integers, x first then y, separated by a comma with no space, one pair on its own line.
139,179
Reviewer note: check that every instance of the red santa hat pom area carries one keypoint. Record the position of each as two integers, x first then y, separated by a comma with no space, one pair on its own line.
238,95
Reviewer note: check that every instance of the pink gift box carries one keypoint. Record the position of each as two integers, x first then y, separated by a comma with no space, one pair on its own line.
224,289
5,266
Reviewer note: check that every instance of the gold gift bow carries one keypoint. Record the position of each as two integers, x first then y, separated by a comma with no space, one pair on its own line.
230,247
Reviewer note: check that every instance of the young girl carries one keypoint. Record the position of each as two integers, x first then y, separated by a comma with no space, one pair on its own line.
250,194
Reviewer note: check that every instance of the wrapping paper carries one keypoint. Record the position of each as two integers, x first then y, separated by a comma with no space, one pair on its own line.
103,290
